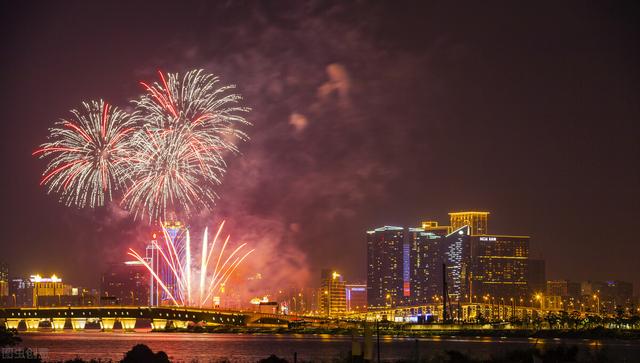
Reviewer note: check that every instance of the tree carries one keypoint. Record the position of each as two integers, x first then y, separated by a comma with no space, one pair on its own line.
142,353
552,319
576,320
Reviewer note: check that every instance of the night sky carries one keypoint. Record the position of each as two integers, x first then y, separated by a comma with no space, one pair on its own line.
364,114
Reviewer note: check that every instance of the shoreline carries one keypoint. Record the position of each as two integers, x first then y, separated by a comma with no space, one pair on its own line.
592,334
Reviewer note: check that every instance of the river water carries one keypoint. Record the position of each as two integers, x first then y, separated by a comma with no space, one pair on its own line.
188,347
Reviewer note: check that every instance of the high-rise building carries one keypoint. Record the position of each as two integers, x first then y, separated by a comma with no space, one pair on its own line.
499,265
154,260
430,250
4,282
333,301
457,260
385,268
477,221
125,283
176,234
356,296
537,277
426,261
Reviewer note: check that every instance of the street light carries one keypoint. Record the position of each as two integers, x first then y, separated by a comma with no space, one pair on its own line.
540,298
513,307
597,298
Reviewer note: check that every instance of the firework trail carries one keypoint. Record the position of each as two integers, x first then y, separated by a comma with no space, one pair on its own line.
89,153
210,277
189,124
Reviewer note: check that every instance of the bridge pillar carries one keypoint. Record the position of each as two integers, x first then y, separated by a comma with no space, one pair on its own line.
58,323
78,323
12,323
180,324
128,324
107,323
32,323
159,324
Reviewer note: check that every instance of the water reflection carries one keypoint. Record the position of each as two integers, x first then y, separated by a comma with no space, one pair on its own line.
250,348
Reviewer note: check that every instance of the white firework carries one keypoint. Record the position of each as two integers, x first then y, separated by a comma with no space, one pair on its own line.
190,124
90,154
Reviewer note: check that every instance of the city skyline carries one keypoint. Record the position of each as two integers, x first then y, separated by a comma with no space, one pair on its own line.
464,222
376,124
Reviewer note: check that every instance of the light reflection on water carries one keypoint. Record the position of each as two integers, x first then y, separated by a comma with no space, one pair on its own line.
250,348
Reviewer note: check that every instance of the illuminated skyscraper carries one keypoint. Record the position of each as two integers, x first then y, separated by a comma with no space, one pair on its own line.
426,261
333,301
500,265
457,255
385,268
176,233
152,257
477,221
429,251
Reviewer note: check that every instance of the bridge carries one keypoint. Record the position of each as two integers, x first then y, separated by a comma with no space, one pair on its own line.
161,317
462,312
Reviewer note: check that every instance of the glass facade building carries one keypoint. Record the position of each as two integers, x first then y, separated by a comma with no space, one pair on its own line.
385,250
429,251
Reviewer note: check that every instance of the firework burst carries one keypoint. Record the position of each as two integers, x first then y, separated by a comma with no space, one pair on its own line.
190,123
89,154
210,278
